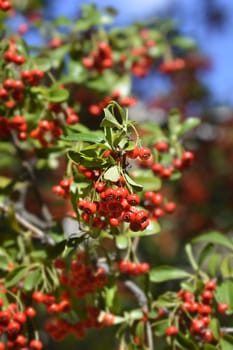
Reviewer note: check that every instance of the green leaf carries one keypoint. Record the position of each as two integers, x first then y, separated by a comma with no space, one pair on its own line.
224,293
226,266
189,252
167,300
188,125
214,237
160,327
15,276
57,95
213,263
4,298
140,331
84,137
166,273
147,180
205,252
4,181
136,186
43,64
32,279
4,262
226,342
109,120
135,314
183,42
215,327
174,122
151,229
89,162
62,21
112,174
185,343
122,242
209,347
56,250
110,294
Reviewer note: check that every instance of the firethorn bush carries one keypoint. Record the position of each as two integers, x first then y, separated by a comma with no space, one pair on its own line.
82,185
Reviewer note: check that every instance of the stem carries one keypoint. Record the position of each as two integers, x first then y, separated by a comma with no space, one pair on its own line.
143,303
36,232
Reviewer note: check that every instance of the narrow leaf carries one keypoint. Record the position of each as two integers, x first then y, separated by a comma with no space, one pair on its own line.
85,137
121,242
32,279
131,182
166,273
112,174
15,276
214,237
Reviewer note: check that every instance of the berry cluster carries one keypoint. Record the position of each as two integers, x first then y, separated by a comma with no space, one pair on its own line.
58,328
142,59
17,123
32,77
195,313
133,268
47,132
96,109
12,92
166,171
99,59
154,203
172,66
82,277
11,56
115,205
50,301
13,323
63,189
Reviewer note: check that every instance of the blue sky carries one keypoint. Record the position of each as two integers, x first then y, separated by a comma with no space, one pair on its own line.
216,44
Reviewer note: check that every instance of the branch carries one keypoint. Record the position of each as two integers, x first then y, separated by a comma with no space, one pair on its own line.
226,329
143,303
29,167
36,232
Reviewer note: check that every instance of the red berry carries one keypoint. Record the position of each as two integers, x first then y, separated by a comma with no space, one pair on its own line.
208,336
30,312
222,308
144,267
6,5
35,344
170,207
161,146
207,295
134,153
204,309
13,328
211,284
144,153
20,317
114,222
133,199
21,340
171,330
108,319
197,325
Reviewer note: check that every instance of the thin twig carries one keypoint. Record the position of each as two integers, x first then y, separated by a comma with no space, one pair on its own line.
143,303
36,232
